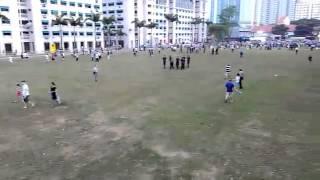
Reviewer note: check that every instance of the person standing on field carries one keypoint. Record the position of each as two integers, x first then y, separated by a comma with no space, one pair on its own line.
54,94
95,73
26,94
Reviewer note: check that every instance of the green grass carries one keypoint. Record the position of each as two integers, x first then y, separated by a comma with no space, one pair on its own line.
142,122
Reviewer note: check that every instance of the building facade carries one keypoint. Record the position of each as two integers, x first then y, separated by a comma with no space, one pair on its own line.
153,11
31,30
307,9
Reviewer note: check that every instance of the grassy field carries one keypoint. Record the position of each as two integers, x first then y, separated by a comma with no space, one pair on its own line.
141,122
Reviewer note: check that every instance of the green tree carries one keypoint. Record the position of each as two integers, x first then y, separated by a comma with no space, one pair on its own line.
60,20
227,17
139,24
151,26
218,31
171,18
3,17
280,30
74,22
95,18
120,33
107,22
303,30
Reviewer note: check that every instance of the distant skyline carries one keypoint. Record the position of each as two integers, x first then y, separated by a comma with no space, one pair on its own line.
255,12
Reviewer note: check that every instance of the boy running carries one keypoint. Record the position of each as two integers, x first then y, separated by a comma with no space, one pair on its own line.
26,94
229,91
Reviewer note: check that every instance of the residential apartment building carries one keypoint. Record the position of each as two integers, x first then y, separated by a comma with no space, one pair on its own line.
307,9
31,30
154,11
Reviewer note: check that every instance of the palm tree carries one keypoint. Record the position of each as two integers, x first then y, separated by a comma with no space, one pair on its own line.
95,18
60,21
139,24
194,22
107,21
171,18
120,33
74,23
151,26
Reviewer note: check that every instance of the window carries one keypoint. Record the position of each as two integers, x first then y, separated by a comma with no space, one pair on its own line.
104,12
79,4
149,5
88,15
4,8
53,1
89,33
64,13
6,33
98,24
54,12
119,11
119,3
72,13
24,11
120,19
80,14
43,1
74,33
5,21
55,33
72,3
88,5
66,33
45,33
63,3
149,12
120,26
89,24
111,4
98,33
96,7
81,33
44,11
111,11
45,22
104,4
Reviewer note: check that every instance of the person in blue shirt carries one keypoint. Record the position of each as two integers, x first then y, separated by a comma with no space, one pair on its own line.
230,87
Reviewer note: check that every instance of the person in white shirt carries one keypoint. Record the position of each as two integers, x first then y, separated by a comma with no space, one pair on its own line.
95,73
97,56
47,57
237,80
26,94
11,59
77,56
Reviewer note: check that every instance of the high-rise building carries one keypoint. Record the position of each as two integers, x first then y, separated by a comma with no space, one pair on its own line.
154,11
218,5
307,9
31,30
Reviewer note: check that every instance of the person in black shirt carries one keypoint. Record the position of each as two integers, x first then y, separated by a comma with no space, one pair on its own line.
310,58
212,51
188,61
164,61
241,54
217,51
183,62
177,62
171,63
53,93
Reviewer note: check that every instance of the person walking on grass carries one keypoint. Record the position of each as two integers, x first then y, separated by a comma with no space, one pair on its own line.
171,62
241,73
95,72
77,56
164,61
26,94
18,93
241,54
183,62
229,91
227,71
310,58
177,62
188,61
54,94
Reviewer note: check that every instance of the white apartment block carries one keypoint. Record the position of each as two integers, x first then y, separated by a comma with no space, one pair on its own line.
126,11
307,9
29,28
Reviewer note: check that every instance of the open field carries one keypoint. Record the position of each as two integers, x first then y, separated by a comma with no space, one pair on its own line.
141,122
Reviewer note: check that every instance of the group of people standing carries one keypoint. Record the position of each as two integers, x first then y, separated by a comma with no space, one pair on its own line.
180,62
233,84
